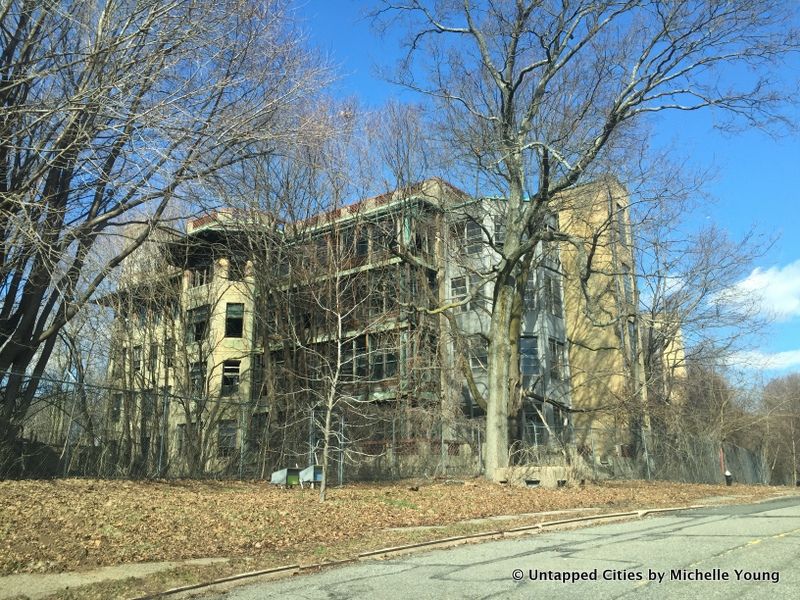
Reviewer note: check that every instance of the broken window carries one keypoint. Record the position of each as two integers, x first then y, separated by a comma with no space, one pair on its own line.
153,359
197,377
552,291
556,359
226,438
169,352
137,358
200,276
234,320
197,324
230,377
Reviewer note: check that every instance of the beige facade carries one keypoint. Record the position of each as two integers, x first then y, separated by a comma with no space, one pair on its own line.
603,327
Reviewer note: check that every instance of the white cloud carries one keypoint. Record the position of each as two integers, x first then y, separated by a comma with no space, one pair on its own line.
776,361
777,287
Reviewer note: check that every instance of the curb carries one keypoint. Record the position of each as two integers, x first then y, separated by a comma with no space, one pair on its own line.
409,548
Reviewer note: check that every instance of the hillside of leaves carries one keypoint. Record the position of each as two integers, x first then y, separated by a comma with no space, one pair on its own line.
64,525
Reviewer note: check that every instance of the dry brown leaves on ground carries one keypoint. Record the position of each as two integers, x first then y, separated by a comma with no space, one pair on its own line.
78,523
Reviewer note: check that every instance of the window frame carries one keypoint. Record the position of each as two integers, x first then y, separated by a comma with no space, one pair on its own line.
234,325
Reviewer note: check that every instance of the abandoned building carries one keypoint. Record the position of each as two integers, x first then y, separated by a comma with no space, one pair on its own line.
243,342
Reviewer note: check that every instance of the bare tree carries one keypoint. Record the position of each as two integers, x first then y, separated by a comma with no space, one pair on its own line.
111,111
535,98
782,429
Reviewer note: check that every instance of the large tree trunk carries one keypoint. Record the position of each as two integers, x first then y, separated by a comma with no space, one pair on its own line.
500,355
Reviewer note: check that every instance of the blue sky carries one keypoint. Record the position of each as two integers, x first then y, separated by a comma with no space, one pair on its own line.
755,174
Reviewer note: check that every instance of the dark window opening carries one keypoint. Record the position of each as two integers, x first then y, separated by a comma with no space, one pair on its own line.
169,352
197,378
226,438
552,291
362,242
153,361
361,357
200,276
180,438
197,324
556,359
137,358
234,320
528,360
230,377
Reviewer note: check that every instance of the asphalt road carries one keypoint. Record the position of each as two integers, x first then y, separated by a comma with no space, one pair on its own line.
745,551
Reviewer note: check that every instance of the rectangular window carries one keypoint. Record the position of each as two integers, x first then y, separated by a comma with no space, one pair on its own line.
230,377
197,324
169,352
529,360
197,378
479,357
362,242
116,408
347,361
234,320
226,438
153,359
361,358
499,232
552,291
622,228
478,301
256,376
556,359
473,237
180,438
390,363
633,341
458,288
200,276
529,299
137,358
627,284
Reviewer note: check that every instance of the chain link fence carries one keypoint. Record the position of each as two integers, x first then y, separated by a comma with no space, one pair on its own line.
87,430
